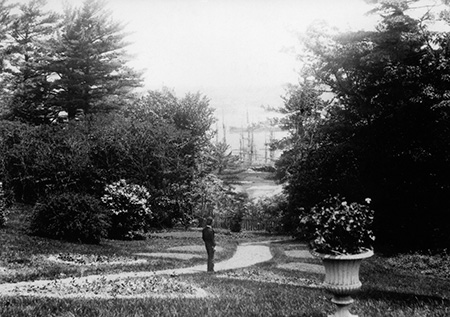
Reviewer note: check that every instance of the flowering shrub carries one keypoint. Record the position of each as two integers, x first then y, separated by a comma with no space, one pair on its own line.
3,217
338,227
129,207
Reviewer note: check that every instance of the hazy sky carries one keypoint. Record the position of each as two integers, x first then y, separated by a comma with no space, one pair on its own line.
236,52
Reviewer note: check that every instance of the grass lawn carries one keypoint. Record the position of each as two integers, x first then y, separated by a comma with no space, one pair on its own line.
406,285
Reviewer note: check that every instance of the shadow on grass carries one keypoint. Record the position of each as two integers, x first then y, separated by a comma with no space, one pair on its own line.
399,297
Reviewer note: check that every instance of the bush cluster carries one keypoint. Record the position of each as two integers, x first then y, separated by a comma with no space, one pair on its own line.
155,143
72,217
236,222
129,209
40,160
271,212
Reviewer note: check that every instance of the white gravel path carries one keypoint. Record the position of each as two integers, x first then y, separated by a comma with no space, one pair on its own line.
246,255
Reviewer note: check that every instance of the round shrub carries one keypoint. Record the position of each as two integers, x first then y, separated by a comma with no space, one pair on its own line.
236,222
128,205
72,217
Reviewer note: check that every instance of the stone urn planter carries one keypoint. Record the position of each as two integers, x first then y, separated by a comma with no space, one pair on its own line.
340,234
342,278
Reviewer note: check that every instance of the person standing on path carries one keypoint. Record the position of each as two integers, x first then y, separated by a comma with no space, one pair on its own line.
210,242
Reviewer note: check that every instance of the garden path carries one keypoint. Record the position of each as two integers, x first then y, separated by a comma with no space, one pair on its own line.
247,254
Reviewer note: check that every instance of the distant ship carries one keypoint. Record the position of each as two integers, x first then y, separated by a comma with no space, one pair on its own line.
253,143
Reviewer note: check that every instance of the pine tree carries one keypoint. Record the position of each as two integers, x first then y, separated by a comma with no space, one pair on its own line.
5,21
4,25
92,75
28,57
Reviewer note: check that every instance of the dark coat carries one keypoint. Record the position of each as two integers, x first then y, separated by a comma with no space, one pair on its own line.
208,236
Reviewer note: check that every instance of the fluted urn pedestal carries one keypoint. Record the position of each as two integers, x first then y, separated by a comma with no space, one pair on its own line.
342,279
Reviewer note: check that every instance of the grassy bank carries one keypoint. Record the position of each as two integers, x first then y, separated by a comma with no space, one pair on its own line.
390,286
24,257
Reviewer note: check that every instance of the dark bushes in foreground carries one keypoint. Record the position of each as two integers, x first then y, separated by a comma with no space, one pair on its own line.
71,217
40,160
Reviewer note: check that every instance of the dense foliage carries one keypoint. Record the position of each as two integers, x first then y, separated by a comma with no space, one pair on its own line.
129,210
75,62
236,221
73,123
37,160
271,212
72,217
335,226
85,156
377,125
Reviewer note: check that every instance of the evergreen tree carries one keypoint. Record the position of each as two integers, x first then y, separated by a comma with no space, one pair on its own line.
386,135
29,56
91,70
5,20
4,26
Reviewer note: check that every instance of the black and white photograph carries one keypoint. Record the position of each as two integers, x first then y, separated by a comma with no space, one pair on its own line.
224,158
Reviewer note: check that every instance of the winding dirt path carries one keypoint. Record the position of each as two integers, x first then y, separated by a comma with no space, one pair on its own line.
246,255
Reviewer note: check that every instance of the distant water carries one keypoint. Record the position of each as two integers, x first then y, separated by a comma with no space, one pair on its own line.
258,191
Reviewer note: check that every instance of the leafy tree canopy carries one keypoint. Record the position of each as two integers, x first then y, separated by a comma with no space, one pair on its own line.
384,133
